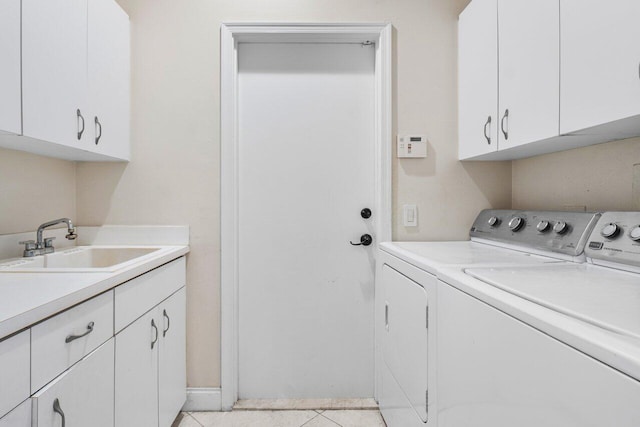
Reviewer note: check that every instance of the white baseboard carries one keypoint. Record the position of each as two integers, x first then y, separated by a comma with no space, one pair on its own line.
203,399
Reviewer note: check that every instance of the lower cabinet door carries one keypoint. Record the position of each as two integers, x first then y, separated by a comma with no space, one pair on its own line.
19,417
172,379
81,396
136,372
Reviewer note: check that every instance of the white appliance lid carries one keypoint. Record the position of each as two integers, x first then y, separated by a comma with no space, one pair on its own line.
607,298
431,256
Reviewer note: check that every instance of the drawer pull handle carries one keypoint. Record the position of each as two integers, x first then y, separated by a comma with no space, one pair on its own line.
58,410
487,137
155,336
505,117
386,316
166,316
75,337
98,127
80,117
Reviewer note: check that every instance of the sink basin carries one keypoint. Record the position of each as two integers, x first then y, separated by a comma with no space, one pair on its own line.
81,258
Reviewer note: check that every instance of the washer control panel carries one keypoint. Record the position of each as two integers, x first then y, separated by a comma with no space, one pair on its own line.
616,238
561,232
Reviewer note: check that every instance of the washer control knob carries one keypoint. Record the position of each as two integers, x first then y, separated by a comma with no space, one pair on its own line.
543,226
561,227
634,234
610,230
494,221
516,223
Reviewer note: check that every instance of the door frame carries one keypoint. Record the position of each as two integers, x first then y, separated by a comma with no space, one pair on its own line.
231,34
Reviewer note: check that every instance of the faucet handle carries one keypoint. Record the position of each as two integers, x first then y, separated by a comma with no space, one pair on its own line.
29,245
48,242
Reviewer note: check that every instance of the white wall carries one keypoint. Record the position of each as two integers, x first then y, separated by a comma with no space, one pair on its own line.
173,177
599,177
34,190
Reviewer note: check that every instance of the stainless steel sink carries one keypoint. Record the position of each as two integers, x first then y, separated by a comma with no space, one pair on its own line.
80,259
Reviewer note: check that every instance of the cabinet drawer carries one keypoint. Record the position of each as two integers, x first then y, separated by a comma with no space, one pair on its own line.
14,371
141,294
64,339
19,417
84,393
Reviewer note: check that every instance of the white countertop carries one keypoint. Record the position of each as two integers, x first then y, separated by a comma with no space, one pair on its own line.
27,298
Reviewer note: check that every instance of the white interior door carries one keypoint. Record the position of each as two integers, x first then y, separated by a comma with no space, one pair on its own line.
306,170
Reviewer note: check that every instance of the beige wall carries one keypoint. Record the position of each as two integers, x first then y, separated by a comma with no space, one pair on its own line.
33,190
600,177
173,177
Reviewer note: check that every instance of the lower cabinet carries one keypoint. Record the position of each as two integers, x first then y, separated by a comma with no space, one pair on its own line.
150,377
82,375
82,396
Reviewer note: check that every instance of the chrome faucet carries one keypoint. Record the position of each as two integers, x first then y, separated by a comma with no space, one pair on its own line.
41,247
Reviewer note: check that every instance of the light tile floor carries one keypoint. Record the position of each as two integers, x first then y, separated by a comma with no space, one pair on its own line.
283,418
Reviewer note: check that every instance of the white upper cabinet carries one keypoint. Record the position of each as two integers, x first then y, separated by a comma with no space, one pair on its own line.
567,75
108,78
600,73
478,79
10,67
72,82
54,71
528,71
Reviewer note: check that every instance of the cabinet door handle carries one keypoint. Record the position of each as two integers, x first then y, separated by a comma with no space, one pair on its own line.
488,137
505,117
75,337
386,316
58,410
155,335
81,120
166,316
98,128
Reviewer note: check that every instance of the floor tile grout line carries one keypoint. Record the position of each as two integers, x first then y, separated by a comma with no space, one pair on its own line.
195,419
310,419
327,418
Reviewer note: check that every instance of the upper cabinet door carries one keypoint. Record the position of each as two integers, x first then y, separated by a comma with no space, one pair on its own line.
109,78
529,71
478,79
54,71
10,120
600,76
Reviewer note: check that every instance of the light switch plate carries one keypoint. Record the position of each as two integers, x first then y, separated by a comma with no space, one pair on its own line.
410,215
412,146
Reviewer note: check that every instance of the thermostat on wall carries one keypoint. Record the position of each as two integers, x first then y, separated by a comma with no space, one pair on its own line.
412,146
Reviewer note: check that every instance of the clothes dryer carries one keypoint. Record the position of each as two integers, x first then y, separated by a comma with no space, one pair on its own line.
407,286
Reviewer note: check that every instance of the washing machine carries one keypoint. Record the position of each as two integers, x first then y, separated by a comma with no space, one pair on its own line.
407,285
554,345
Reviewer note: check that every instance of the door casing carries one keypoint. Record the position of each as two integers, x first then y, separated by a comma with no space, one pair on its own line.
230,35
